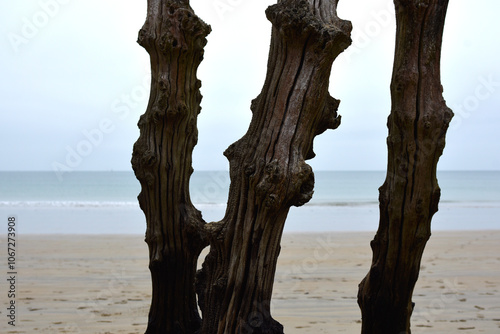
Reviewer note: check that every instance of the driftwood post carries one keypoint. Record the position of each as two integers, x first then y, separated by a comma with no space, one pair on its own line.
267,167
174,38
410,194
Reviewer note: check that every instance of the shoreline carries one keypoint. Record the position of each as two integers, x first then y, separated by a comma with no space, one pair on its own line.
101,283
285,233
130,220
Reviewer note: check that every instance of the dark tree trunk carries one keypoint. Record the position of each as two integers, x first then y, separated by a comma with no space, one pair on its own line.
267,167
409,197
174,38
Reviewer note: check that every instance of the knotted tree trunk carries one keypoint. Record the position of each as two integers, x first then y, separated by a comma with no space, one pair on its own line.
267,167
409,197
174,38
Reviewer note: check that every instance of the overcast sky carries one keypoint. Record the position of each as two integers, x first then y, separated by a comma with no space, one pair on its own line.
74,82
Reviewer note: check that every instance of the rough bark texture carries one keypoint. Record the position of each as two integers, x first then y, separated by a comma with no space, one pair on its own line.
267,167
409,197
174,38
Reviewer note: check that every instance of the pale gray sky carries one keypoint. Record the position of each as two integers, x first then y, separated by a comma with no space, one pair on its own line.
74,83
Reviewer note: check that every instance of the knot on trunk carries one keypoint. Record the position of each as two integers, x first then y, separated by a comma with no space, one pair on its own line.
269,189
329,119
144,161
291,16
302,183
162,112
296,19
231,153
240,151
178,30
276,188
194,229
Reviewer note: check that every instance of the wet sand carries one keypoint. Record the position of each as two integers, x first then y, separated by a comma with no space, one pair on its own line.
100,284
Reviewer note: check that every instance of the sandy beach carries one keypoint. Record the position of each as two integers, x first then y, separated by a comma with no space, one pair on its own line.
100,284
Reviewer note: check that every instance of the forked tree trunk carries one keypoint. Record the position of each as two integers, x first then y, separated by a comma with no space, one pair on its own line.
409,197
174,38
267,167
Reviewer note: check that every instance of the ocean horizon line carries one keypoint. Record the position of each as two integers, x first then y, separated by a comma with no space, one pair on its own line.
227,170
133,204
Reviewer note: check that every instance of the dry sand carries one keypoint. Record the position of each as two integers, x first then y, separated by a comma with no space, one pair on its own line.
100,284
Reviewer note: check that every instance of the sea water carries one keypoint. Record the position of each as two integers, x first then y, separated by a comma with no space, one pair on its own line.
106,202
